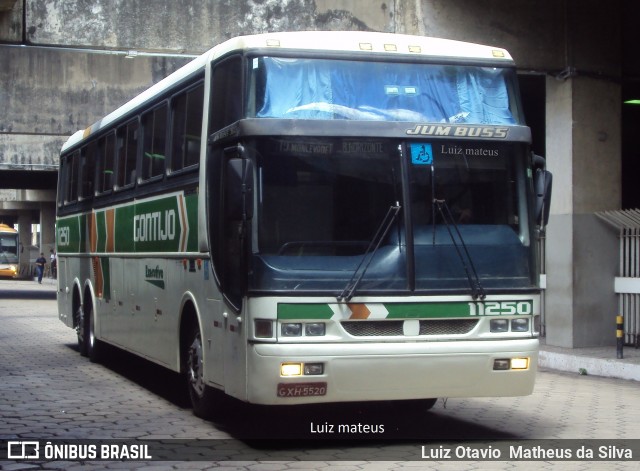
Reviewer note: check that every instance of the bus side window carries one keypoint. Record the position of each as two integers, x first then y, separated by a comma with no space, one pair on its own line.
63,178
186,109
87,170
105,156
127,153
226,94
72,180
154,125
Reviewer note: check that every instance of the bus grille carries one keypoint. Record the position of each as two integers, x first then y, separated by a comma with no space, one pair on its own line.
394,328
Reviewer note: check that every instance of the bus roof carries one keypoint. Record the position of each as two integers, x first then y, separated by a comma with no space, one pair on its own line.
356,42
5,228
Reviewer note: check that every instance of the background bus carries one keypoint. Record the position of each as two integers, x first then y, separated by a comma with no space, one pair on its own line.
9,251
312,217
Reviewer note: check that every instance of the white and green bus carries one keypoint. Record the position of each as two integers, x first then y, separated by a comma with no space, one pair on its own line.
312,217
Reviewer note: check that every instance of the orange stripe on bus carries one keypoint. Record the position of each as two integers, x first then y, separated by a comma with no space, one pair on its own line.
359,311
110,223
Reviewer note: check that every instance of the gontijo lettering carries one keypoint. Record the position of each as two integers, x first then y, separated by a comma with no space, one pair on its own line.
154,226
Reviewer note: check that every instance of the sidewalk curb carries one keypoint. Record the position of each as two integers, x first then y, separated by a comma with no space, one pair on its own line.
610,368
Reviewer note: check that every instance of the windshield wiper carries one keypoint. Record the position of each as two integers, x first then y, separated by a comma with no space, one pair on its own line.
381,232
477,291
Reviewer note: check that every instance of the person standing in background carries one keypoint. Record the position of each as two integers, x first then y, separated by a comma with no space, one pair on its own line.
53,263
40,264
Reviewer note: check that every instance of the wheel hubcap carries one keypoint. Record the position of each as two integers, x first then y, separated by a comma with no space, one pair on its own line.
194,363
80,325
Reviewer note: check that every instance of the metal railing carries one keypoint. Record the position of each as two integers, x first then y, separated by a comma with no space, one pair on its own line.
627,285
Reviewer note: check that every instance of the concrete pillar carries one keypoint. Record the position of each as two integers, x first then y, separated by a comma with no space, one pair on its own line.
583,141
24,230
47,227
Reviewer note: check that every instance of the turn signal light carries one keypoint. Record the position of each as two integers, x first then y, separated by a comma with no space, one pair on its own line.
519,363
504,364
291,369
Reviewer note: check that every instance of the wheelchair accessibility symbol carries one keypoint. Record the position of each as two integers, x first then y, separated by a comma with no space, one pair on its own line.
421,154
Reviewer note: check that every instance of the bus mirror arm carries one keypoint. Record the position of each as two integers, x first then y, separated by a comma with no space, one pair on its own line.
542,184
239,189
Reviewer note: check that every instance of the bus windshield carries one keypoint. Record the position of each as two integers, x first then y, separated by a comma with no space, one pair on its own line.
8,248
381,91
320,201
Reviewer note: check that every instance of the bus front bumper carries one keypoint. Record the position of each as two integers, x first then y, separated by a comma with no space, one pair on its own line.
390,371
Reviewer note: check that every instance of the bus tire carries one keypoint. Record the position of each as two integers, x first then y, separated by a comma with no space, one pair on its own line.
427,404
81,331
413,406
94,346
204,399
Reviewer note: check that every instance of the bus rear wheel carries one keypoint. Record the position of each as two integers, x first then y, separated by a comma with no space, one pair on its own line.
204,399
81,331
94,346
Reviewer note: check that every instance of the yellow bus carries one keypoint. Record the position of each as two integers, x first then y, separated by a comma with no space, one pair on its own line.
9,251
312,217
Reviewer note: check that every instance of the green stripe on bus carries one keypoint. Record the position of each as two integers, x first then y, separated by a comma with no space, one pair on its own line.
70,234
427,310
304,311
164,224
191,201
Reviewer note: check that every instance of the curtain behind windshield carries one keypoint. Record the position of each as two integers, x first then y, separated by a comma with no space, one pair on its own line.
332,89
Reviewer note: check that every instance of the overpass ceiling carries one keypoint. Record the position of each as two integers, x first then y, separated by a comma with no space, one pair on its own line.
28,179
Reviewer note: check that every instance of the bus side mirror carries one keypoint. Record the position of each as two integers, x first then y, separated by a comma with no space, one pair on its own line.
542,184
239,189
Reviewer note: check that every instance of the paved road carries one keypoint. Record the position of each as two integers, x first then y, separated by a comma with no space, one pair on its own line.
49,392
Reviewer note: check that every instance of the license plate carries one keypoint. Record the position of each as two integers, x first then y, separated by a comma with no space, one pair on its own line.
301,389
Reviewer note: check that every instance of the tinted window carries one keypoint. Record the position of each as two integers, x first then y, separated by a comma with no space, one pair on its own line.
187,127
227,93
127,152
87,170
72,177
105,161
155,141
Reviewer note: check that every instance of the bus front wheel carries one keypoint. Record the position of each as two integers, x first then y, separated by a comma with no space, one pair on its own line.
203,397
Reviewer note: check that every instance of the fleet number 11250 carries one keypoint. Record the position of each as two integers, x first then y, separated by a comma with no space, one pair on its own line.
501,308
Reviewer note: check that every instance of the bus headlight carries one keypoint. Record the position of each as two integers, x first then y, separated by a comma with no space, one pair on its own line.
301,369
520,324
313,369
291,369
315,329
505,364
499,325
519,363
291,330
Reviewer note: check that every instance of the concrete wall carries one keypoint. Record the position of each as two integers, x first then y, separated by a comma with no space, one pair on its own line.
46,94
191,25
